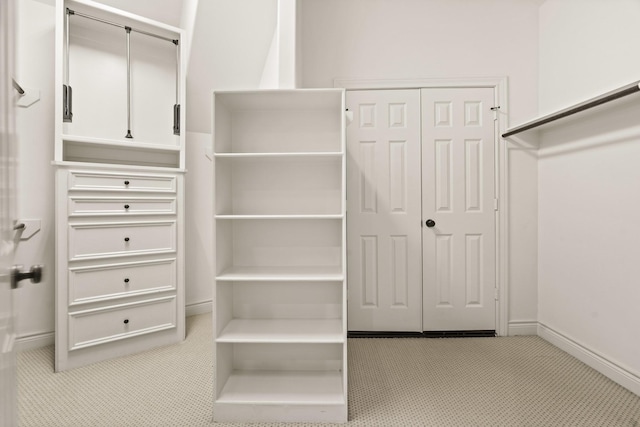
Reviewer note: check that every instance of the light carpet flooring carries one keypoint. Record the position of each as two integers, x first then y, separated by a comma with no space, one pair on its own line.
515,381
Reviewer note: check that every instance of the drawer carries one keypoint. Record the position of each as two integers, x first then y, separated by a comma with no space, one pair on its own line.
100,240
92,327
121,181
86,206
88,284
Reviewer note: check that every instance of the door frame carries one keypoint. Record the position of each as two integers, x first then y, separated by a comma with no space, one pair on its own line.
500,87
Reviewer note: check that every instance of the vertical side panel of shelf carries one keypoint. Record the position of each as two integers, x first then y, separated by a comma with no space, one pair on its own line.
59,73
180,254
182,79
61,205
343,130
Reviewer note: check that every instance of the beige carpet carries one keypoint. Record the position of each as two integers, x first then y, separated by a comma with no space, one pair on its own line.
518,381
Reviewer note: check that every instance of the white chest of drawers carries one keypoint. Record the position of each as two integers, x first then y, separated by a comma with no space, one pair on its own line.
119,262
119,156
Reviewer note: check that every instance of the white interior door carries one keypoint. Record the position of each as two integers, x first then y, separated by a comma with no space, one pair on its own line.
7,194
458,194
383,211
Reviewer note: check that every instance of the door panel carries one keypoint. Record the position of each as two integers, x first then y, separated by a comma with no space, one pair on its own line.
383,211
458,191
7,215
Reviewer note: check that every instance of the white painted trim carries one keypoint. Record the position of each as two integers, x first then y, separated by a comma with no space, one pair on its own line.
500,86
606,366
420,83
199,308
523,327
31,342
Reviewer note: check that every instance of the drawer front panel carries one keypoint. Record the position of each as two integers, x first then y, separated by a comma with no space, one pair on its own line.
86,206
121,181
88,284
99,326
117,239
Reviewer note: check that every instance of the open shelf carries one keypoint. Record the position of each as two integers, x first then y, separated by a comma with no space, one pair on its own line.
283,387
279,247
314,273
283,331
279,155
121,152
320,216
278,121
294,185
120,143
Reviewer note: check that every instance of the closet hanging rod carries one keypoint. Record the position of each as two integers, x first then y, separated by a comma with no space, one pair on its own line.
115,24
594,102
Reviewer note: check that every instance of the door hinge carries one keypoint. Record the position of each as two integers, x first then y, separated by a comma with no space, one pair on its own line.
496,204
496,294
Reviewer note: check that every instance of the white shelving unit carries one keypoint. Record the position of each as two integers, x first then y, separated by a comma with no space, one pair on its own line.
119,199
280,254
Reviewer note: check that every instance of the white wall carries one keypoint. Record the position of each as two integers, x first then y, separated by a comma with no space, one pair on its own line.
588,186
400,39
35,64
587,47
230,45
423,38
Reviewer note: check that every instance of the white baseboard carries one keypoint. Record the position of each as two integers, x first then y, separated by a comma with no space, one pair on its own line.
523,327
31,342
600,363
199,308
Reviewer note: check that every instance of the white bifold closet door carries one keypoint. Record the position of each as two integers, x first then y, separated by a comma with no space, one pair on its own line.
458,194
416,155
384,256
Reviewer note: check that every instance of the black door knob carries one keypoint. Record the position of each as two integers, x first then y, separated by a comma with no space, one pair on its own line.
126,206
126,239
430,223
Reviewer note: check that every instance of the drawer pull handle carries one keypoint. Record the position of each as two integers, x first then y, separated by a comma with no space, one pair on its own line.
126,206
126,280
126,321
126,182
126,239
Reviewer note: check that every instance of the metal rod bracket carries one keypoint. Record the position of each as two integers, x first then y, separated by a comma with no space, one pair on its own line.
176,119
67,104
